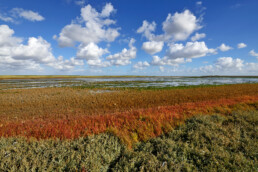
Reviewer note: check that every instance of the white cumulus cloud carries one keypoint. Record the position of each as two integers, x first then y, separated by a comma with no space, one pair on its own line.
224,47
92,54
253,53
226,63
179,53
6,38
152,47
125,56
178,27
190,50
181,25
27,14
146,29
14,14
252,68
107,10
37,52
141,65
241,45
90,51
229,66
157,61
198,36
64,64
6,18
93,27
37,49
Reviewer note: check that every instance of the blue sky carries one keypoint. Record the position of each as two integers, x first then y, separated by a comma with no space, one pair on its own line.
129,37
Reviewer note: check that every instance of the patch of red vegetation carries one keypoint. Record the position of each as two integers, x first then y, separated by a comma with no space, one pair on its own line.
131,126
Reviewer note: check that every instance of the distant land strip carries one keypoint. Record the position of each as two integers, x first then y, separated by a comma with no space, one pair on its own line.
111,76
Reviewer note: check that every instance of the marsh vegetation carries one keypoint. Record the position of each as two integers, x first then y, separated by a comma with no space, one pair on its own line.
203,143
118,82
102,127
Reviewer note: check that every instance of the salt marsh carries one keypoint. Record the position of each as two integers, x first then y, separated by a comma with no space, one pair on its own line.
119,82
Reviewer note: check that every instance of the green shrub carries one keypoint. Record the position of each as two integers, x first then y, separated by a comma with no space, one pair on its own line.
92,153
203,143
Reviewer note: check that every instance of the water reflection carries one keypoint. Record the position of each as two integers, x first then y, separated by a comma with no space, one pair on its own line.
123,82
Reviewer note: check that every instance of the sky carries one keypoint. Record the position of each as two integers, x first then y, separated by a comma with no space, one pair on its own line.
129,37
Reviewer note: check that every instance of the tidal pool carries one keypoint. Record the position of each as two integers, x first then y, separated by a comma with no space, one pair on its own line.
123,82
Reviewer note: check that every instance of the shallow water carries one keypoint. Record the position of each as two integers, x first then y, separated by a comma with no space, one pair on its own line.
122,82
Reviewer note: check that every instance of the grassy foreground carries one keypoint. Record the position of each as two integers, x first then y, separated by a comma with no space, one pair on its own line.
203,143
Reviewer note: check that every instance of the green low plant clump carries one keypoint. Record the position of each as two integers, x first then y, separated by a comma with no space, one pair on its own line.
203,143
94,153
